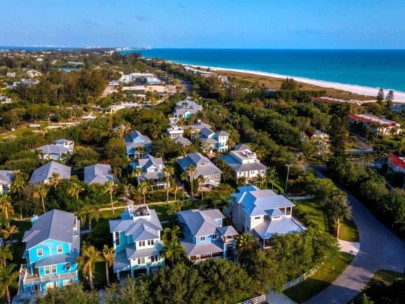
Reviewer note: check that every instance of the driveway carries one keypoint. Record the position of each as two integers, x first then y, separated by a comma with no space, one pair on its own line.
380,248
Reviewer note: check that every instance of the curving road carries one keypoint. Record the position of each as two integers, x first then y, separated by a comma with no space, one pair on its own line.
380,248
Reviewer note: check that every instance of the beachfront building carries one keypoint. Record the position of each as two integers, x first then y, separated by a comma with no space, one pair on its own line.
202,167
52,246
213,141
204,235
377,125
186,108
137,241
135,142
152,170
244,163
262,213
6,179
98,174
45,172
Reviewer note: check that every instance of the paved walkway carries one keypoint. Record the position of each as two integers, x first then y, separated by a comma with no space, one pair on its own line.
380,249
349,247
278,298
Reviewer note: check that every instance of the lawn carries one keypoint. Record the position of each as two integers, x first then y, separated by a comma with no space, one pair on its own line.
321,279
161,211
386,277
315,213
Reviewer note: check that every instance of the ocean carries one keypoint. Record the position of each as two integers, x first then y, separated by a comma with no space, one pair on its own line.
370,68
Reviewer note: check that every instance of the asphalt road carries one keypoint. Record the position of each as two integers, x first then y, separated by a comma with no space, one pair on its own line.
380,248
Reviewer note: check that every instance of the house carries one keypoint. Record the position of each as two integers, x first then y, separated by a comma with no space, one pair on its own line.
186,108
66,143
45,172
175,132
320,140
6,179
182,141
203,166
199,72
214,141
137,241
152,169
53,152
380,126
244,163
52,246
396,164
98,174
262,213
204,235
197,127
135,141
33,73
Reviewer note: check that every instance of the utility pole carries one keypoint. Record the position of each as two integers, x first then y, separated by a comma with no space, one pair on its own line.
286,180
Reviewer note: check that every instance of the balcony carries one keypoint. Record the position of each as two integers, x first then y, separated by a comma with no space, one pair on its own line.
26,277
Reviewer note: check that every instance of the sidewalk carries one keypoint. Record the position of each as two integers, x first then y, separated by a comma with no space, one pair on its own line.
349,247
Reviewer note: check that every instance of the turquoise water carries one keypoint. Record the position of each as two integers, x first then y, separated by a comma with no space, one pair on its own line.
372,68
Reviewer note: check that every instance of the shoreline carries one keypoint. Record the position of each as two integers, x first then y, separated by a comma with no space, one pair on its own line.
399,96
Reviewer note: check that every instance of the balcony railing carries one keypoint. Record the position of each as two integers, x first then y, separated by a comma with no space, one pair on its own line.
28,278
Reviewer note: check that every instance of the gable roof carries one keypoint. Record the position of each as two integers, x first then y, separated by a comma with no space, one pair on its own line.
54,225
201,222
98,173
182,141
259,202
203,165
148,160
54,149
45,172
241,147
397,161
136,139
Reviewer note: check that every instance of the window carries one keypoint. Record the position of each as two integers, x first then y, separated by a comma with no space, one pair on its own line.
40,252
46,268
151,242
141,261
257,218
154,258
117,238
202,238
59,249
53,268
35,288
214,236
142,243
67,266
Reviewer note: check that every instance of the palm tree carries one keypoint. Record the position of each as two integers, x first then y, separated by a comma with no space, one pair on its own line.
136,173
74,191
201,180
170,234
109,257
172,251
110,188
143,188
89,213
190,172
18,183
168,171
40,192
271,176
8,232
8,278
87,261
54,180
140,150
338,208
244,243
6,207
5,254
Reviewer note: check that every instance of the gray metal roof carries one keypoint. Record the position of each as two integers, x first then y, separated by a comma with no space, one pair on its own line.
54,225
6,177
201,222
133,253
148,161
54,149
241,147
279,226
205,132
227,231
43,173
203,165
137,139
98,174
182,140
202,248
56,259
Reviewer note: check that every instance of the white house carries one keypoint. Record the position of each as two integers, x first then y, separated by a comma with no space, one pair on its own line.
6,179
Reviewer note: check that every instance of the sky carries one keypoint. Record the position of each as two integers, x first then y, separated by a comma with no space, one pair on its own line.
302,24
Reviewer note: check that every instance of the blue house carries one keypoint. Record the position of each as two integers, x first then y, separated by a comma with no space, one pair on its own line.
137,241
135,140
52,247
204,235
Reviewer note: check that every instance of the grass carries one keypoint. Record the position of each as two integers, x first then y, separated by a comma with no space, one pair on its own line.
161,211
348,231
321,279
386,277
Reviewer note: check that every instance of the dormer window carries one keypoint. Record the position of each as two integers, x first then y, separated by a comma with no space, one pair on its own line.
59,249
202,238
40,252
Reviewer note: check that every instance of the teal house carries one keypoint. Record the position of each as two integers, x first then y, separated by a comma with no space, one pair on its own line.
52,247
137,242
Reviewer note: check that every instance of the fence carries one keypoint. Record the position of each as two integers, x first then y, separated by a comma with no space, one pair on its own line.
257,300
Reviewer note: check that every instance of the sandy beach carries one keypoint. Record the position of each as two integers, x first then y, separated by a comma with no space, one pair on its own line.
361,90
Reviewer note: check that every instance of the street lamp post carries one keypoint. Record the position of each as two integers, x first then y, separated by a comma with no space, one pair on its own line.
286,180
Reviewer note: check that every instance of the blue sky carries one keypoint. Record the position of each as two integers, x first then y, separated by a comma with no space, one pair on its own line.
205,24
